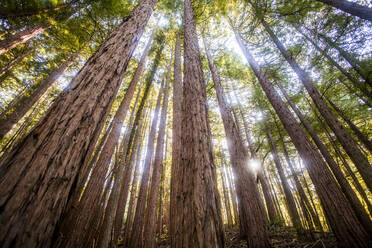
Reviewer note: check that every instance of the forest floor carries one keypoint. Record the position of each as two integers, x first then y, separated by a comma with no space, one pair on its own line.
281,237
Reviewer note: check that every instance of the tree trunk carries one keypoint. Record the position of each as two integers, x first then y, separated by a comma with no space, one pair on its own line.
291,205
138,224
200,216
175,197
39,173
14,62
347,142
233,194
252,223
301,192
25,103
226,197
346,226
152,203
366,142
351,8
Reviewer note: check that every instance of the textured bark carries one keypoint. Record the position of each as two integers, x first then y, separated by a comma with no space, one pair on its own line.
344,184
345,225
347,142
200,216
252,223
351,78
138,224
351,8
366,142
152,202
159,222
291,205
21,37
25,103
39,173
175,197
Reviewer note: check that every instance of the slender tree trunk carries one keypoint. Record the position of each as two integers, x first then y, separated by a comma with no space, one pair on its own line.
366,142
233,194
152,203
175,197
40,172
291,205
252,223
200,216
347,142
346,226
355,81
276,201
14,62
351,8
25,103
159,222
301,192
227,199
138,224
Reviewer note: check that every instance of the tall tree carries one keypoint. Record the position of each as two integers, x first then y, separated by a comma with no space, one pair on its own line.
200,215
252,223
351,8
39,173
344,223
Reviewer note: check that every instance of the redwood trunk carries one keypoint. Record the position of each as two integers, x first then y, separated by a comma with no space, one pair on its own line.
25,103
252,222
351,8
200,216
40,172
345,225
138,224
347,142
175,197
152,203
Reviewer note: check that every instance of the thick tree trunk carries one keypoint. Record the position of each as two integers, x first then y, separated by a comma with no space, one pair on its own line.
344,184
138,224
351,8
291,205
252,223
152,202
200,216
347,142
39,173
346,226
25,103
175,197
366,142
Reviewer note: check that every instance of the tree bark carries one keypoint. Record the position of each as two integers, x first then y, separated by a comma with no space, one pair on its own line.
39,173
291,205
152,202
347,142
351,8
345,225
252,223
138,224
25,103
175,197
200,216
366,142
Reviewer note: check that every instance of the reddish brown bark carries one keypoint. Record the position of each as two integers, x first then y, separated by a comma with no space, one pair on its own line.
352,8
138,224
175,198
39,173
200,216
345,225
152,202
252,223
25,103
347,142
